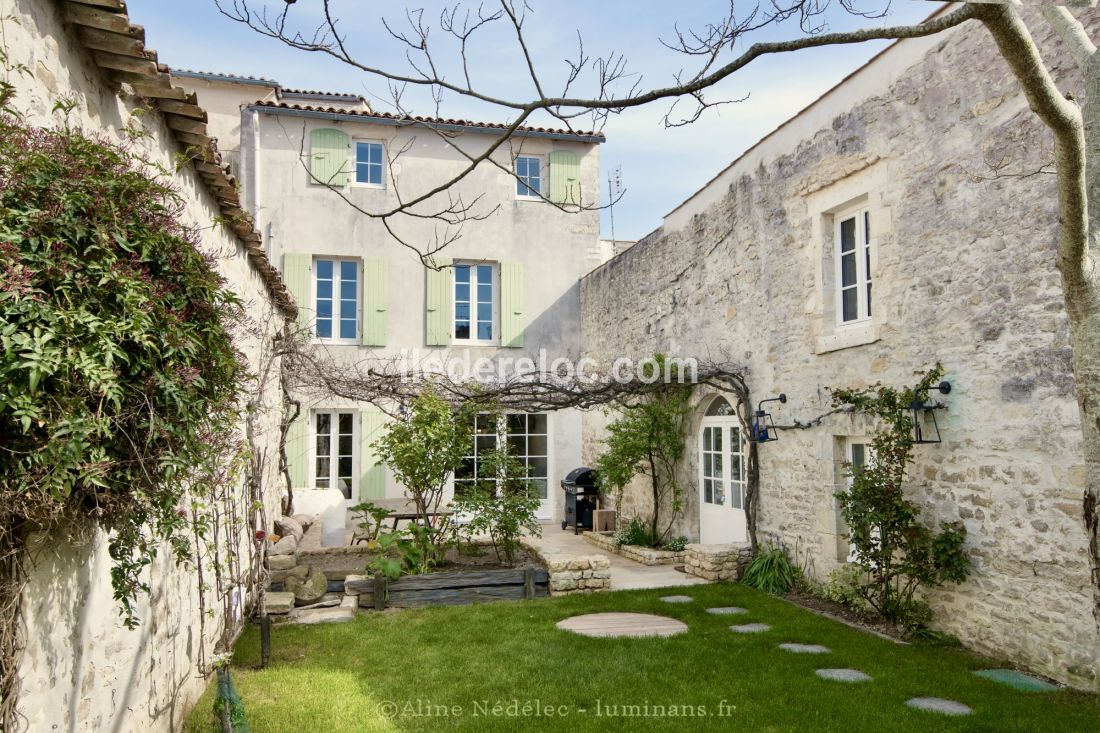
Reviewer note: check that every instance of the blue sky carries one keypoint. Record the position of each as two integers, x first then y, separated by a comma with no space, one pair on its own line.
659,167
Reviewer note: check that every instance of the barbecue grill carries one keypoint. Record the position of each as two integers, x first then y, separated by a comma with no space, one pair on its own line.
581,494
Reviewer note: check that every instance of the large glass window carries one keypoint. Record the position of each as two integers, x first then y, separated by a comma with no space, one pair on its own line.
368,163
475,308
854,266
334,451
529,176
529,441
337,298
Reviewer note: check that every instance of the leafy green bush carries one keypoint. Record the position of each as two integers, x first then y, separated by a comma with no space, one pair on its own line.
676,544
842,586
118,374
897,552
372,517
636,533
771,570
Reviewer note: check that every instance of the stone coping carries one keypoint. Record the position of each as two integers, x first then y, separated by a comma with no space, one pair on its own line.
643,555
571,573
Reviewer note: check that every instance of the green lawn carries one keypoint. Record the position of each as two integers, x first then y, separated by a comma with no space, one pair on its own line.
445,668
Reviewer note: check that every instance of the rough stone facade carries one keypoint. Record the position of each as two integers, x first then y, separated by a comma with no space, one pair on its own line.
81,669
716,562
571,574
963,274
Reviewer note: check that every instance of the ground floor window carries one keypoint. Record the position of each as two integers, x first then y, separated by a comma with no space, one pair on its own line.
857,453
528,437
334,450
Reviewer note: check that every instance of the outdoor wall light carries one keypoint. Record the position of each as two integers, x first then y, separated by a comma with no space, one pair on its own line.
763,429
920,412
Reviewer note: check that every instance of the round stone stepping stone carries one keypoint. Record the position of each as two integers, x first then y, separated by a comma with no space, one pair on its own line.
749,628
939,705
843,675
622,624
677,599
805,648
727,610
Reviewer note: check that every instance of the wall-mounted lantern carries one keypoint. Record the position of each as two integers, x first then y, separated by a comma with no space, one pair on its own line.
920,412
763,429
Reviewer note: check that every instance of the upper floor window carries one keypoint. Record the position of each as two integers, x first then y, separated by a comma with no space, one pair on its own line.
368,163
853,247
475,302
337,299
528,176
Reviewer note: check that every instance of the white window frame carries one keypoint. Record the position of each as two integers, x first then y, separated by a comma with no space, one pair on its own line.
473,340
543,179
334,455
354,163
501,433
337,301
868,454
731,487
864,265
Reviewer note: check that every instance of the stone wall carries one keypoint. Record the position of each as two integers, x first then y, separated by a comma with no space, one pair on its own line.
964,274
81,669
572,573
644,555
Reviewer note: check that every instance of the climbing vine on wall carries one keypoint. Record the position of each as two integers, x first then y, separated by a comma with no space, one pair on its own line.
119,379
899,553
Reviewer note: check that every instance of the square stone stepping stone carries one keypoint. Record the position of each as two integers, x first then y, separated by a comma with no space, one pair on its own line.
749,628
939,705
727,610
843,675
1017,680
805,648
677,599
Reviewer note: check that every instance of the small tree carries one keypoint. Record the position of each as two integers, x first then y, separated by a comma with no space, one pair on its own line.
898,553
648,438
501,502
423,450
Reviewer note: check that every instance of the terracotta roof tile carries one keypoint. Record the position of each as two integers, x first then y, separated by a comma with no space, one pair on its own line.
416,119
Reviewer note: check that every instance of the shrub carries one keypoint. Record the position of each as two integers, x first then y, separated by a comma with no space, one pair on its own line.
771,570
897,552
676,544
636,533
842,586
119,378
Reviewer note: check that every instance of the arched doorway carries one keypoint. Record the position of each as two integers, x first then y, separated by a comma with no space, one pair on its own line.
722,475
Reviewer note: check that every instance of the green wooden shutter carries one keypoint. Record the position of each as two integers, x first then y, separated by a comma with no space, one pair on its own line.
511,304
328,157
296,275
376,300
565,177
372,484
439,292
297,455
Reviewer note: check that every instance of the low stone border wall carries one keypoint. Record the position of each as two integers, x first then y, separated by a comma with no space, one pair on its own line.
643,555
717,562
571,574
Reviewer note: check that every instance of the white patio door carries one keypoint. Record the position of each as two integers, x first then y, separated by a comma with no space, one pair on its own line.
722,477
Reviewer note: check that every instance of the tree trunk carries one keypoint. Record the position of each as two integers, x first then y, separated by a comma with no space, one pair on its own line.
655,485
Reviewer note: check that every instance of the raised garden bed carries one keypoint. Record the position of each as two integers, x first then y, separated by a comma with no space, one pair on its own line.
643,555
450,588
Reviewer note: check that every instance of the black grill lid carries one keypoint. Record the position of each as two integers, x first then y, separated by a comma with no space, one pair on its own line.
583,477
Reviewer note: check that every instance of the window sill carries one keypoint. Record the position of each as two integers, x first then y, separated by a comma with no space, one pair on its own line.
476,344
334,342
846,337
373,186
529,198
